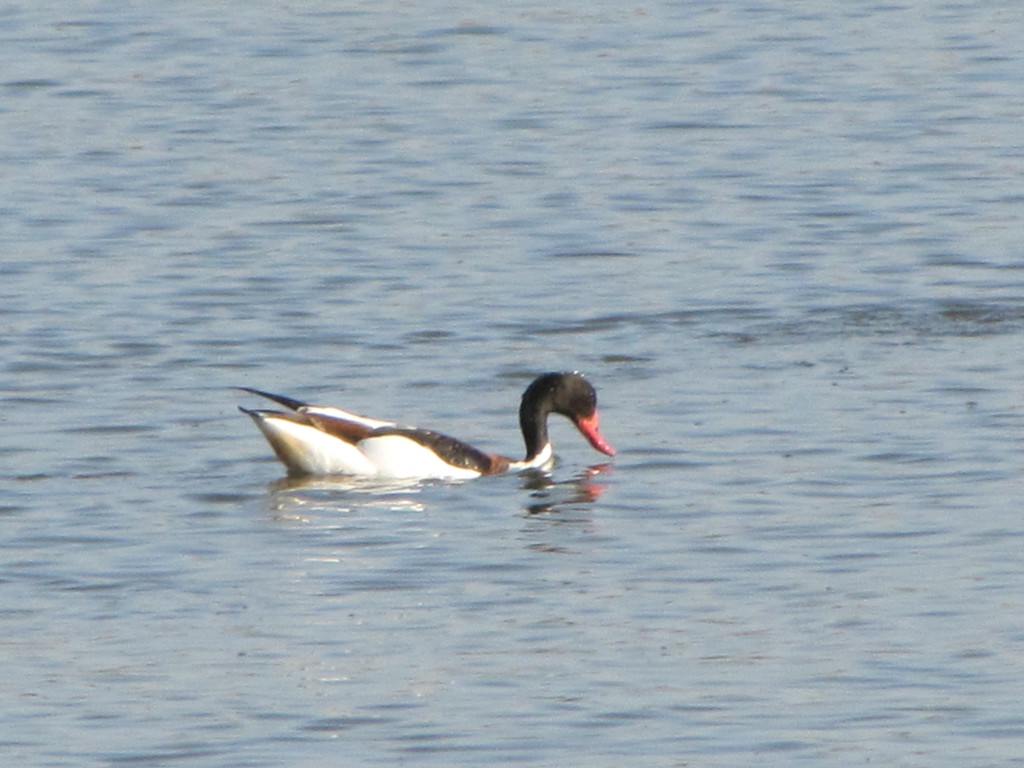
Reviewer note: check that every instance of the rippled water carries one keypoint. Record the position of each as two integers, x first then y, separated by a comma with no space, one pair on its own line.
782,239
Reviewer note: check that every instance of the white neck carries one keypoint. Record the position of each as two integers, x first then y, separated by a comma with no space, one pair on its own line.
544,459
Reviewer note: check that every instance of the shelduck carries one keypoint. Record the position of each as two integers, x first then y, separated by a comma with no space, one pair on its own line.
322,440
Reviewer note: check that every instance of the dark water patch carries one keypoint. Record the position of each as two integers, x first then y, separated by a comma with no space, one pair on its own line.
715,315
113,429
222,498
722,549
137,348
31,84
954,260
393,706
780,746
619,717
900,458
517,168
469,30
44,541
624,358
909,320
693,126
590,325
1009,729
112,475
108,586
377,585
665,465
834,213
30,367
910,534
485,569
979,314
708,317
161,756
851,556
529,124
336,724
592,255
986,538
430,336
84,93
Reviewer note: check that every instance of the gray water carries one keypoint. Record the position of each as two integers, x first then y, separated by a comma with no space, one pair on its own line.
783,240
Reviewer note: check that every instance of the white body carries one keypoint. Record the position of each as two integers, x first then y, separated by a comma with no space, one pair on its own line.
306,449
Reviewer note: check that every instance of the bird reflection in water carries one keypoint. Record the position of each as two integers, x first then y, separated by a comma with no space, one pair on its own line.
549,496
300,498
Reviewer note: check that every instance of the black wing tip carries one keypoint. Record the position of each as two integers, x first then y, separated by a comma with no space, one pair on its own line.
287,402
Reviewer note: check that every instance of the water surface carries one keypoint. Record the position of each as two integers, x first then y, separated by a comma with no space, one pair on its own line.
784,242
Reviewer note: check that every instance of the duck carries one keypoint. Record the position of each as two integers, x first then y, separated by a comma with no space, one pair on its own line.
312,440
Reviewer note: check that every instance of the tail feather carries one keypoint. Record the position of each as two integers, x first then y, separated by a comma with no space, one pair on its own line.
305,449
287,402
